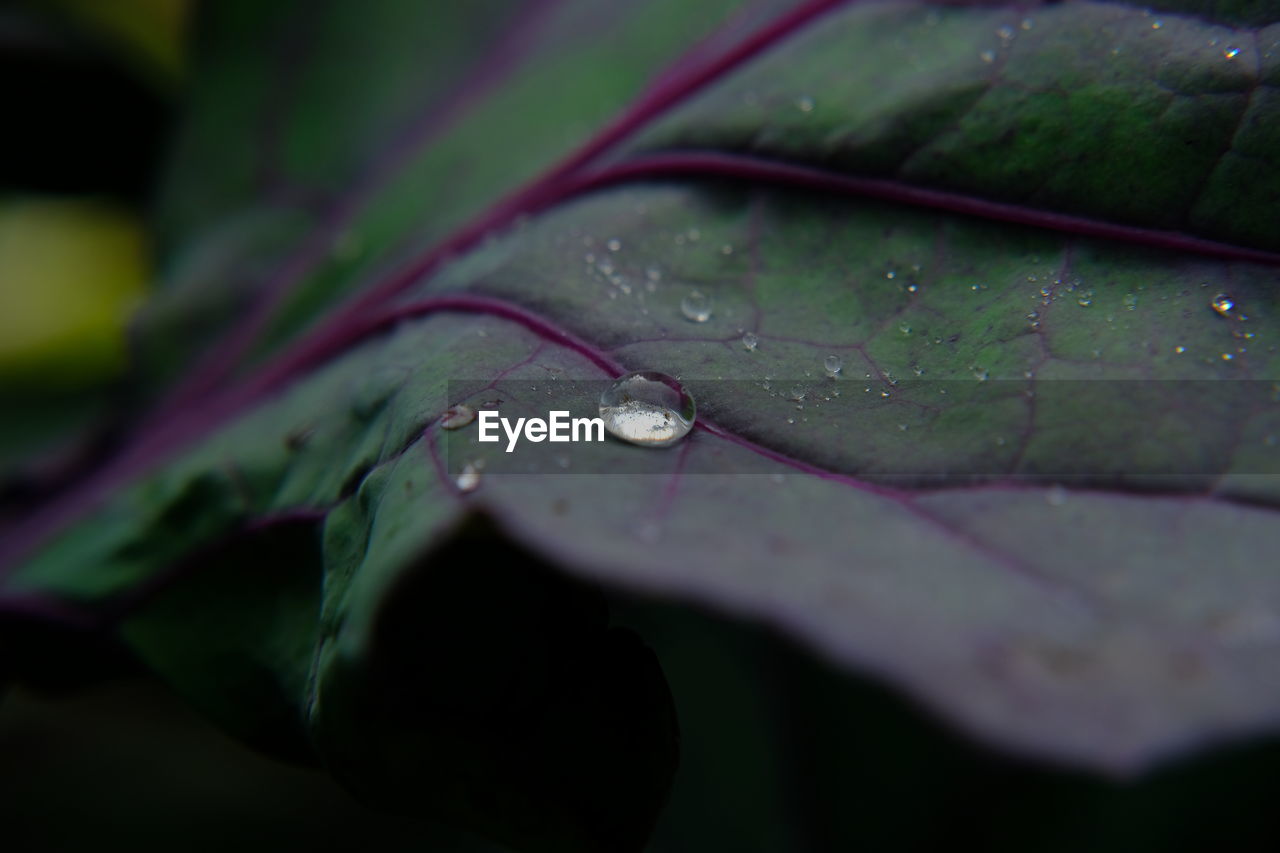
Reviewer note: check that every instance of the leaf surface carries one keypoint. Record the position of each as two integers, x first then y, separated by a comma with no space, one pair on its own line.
1038,494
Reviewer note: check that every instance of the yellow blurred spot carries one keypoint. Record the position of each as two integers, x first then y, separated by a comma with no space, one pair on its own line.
71,273
149,32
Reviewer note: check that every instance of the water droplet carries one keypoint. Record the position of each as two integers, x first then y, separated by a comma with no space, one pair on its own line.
614,245
1005,33
726,249
1231,52
1179,349
647,408
1027,23
805,104
1226,356
797,393
1223,304
653,274
1131,301
913,287
1155,25
693,235
1085,298
750,340
468,480
696,306
456,417
833,364
988,56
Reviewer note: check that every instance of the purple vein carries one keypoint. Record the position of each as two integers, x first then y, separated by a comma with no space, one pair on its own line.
711,164
508,53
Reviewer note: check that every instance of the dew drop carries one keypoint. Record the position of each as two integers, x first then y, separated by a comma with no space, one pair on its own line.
696,307
647,408
1231,52
1131,301
913,288
1179,349
614,245
797,393
750,340
833,364
805,104
1223,304
653,274
988,56
456,417
1005,33
1155,25
1085,298
468,480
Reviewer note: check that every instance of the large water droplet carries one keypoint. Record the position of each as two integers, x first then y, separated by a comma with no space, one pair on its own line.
647,408
1223,304
456,417
696,306
750,340
833,364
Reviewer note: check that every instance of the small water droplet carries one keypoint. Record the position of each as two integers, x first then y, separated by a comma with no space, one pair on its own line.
614,245
468,480
696,306
1179,349
1005,33
1231,52
987,56
1056,495
1226,356
1130,301
726,249
913,287
693,234
1223,304
1155,25
1084,298
805,104
647,408
653,274
833,364
750,340
456,417
797,393
1027,23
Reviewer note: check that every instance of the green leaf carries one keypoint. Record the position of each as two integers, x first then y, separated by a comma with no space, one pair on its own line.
1038,494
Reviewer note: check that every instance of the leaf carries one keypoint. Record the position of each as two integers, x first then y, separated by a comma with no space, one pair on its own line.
1042,500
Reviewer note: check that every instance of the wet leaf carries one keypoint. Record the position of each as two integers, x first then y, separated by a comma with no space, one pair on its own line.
973,414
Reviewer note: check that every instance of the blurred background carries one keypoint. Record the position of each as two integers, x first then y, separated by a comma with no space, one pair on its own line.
779,752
